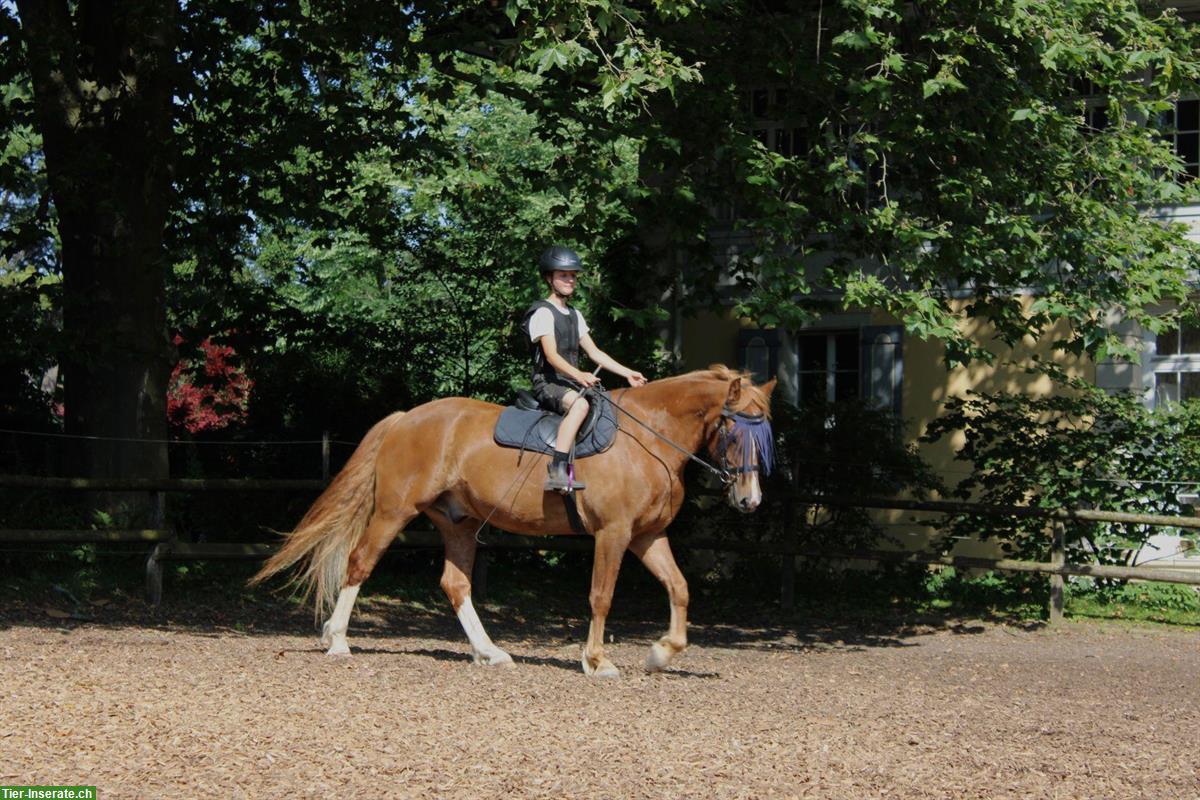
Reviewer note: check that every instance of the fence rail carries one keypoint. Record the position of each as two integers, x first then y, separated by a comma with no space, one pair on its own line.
168,548
1027,512
162,484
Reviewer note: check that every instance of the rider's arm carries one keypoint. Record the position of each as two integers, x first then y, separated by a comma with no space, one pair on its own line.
608,362
560,364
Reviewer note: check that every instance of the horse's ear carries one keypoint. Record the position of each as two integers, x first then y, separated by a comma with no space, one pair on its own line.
735,392
768,387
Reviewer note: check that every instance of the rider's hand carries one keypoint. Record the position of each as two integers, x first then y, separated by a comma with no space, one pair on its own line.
587,380
636,379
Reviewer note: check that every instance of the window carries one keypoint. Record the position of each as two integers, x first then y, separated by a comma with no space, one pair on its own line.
829,366
842,365
1095,117
1181,127
883,367
772,122
778,121
1177,366
1095,106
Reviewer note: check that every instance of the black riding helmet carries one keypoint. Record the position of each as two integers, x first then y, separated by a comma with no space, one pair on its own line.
559,257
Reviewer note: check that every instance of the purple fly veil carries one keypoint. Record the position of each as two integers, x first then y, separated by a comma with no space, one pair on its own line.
755,435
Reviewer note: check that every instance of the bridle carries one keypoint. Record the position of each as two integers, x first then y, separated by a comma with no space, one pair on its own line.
724,473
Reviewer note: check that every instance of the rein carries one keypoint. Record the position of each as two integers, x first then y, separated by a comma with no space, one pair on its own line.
724,473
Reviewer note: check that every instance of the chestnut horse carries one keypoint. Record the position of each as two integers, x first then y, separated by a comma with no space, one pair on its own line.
439,459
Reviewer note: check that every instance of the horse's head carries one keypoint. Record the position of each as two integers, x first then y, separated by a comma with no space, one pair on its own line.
743,443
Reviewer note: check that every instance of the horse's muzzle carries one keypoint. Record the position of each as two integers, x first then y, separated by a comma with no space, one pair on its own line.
745,503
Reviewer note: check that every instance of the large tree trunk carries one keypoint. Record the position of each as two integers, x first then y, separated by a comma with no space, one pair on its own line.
102,78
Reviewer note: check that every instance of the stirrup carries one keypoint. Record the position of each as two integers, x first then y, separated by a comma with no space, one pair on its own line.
561,478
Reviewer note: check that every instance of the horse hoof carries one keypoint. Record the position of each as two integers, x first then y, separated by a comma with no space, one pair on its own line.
496,659
326,639
338,649
658,659
605,669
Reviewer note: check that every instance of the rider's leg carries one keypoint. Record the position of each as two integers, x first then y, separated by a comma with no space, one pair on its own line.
558,479
576,412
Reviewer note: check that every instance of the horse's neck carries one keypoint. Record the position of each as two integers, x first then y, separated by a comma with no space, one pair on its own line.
681,409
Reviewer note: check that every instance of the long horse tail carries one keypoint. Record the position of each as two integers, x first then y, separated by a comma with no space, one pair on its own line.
333,526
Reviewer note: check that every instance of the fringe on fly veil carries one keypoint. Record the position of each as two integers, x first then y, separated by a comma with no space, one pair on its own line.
755,436
322,541
752,435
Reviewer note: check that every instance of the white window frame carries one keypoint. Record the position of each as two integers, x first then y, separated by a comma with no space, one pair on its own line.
1166,364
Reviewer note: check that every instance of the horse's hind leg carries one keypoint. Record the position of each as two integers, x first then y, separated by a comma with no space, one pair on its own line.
456,583
381,530
655,552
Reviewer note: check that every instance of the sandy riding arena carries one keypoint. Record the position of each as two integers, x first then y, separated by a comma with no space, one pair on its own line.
244,703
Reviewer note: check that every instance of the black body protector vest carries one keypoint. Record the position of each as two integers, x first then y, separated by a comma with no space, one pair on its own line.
566,338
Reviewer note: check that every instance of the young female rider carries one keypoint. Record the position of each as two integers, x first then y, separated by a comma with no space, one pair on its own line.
557,331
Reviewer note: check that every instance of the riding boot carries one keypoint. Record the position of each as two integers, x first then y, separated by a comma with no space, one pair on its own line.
558,478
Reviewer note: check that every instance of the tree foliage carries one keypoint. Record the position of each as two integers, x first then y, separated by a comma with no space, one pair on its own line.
206,137
355,193
934,161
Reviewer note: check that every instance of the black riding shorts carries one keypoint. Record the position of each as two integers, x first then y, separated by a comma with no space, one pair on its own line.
550,395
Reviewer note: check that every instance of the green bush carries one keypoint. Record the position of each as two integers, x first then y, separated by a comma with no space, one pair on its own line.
1085,449
1018,593
846,450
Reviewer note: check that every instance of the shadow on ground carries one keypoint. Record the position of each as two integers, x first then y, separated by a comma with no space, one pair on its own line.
520,618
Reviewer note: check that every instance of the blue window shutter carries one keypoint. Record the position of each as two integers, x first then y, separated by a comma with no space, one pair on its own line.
883,366
758,352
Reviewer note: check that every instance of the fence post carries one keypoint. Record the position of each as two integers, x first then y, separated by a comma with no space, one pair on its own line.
1058,557
160,510
154,570
787,563
787,588
154,577
325,455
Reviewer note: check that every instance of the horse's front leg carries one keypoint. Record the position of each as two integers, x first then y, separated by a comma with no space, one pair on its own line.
610,547
655,552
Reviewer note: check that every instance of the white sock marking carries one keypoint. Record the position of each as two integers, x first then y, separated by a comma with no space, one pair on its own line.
485,651
339,621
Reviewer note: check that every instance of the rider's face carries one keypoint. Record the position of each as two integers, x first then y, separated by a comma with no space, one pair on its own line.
563,282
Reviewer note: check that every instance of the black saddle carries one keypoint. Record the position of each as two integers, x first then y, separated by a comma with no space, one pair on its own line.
528,426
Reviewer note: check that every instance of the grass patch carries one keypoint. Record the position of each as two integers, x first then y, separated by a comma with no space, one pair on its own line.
1164,603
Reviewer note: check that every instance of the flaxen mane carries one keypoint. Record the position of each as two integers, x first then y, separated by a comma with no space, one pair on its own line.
756,394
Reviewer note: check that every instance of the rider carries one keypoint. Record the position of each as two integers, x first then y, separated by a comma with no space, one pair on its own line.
556,333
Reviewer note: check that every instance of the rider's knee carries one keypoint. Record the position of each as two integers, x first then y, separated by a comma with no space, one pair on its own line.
575,403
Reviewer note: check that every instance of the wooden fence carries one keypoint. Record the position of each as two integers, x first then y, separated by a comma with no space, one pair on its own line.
166,547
